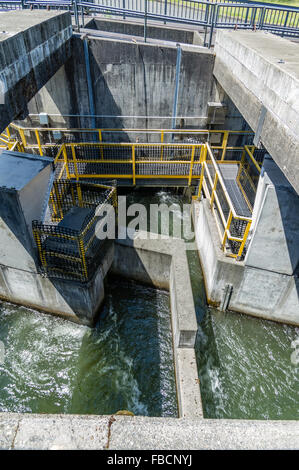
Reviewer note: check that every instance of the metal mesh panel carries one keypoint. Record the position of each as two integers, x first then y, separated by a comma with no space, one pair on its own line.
66,252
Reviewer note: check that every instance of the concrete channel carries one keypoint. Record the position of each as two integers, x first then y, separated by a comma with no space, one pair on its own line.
106,77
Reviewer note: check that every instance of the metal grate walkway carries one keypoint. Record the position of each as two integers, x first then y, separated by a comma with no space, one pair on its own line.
229,173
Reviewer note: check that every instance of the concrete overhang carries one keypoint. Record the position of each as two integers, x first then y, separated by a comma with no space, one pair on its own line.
260,74
33,46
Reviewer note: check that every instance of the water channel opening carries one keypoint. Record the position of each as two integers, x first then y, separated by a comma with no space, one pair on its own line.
124,363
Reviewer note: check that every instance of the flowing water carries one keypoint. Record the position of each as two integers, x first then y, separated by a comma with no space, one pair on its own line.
244,363
124,363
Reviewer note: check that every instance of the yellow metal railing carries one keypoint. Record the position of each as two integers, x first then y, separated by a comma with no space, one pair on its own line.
170,158
248,175
233,228
134,161
69,253
39,138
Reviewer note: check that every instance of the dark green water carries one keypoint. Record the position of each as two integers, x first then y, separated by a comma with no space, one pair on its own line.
245,367
125,362
244,363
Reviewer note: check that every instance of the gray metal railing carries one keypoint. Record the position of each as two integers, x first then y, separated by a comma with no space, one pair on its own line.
211,15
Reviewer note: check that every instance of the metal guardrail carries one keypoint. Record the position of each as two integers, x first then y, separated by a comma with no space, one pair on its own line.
211,15
66,252
233,228
199,161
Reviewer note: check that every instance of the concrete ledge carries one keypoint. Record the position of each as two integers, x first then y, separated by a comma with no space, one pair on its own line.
70,299
56,432
187,376
163,263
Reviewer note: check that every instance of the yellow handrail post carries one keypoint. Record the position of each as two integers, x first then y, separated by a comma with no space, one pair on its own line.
224,144
23,138
162,141
66,161
214,189
191,165
227,227
133,164
244,239
101,147
38,143
203,157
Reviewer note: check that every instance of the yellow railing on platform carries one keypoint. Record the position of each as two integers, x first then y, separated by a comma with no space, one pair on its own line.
233,228
41,138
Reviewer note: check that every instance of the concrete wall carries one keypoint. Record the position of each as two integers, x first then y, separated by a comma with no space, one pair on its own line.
163,263
274,242
133,28
33,47
258,292
259,72
129,79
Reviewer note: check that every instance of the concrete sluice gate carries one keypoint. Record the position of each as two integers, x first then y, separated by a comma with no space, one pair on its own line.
116,120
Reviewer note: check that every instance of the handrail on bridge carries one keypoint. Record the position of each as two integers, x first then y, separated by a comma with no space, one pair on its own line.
231,14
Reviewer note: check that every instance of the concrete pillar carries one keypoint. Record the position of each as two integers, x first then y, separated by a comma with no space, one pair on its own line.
274,242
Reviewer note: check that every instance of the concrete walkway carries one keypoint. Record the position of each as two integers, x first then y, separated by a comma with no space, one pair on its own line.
57,432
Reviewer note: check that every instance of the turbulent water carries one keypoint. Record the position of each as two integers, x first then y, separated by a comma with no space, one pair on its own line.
125,362
244,363
245,367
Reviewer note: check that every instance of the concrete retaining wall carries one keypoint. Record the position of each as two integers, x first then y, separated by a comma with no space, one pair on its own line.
163,263
130,79
257,292
134,28
69,299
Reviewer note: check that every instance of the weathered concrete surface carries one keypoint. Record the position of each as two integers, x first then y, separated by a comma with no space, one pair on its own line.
130,79
274,242
259,70
154,260
23,176
258,292
57,432
134,28
187,376
33,46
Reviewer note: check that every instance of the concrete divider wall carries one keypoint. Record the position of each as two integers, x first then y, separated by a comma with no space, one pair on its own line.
163,263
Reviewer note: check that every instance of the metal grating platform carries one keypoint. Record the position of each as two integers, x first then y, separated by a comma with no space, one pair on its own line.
229,173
